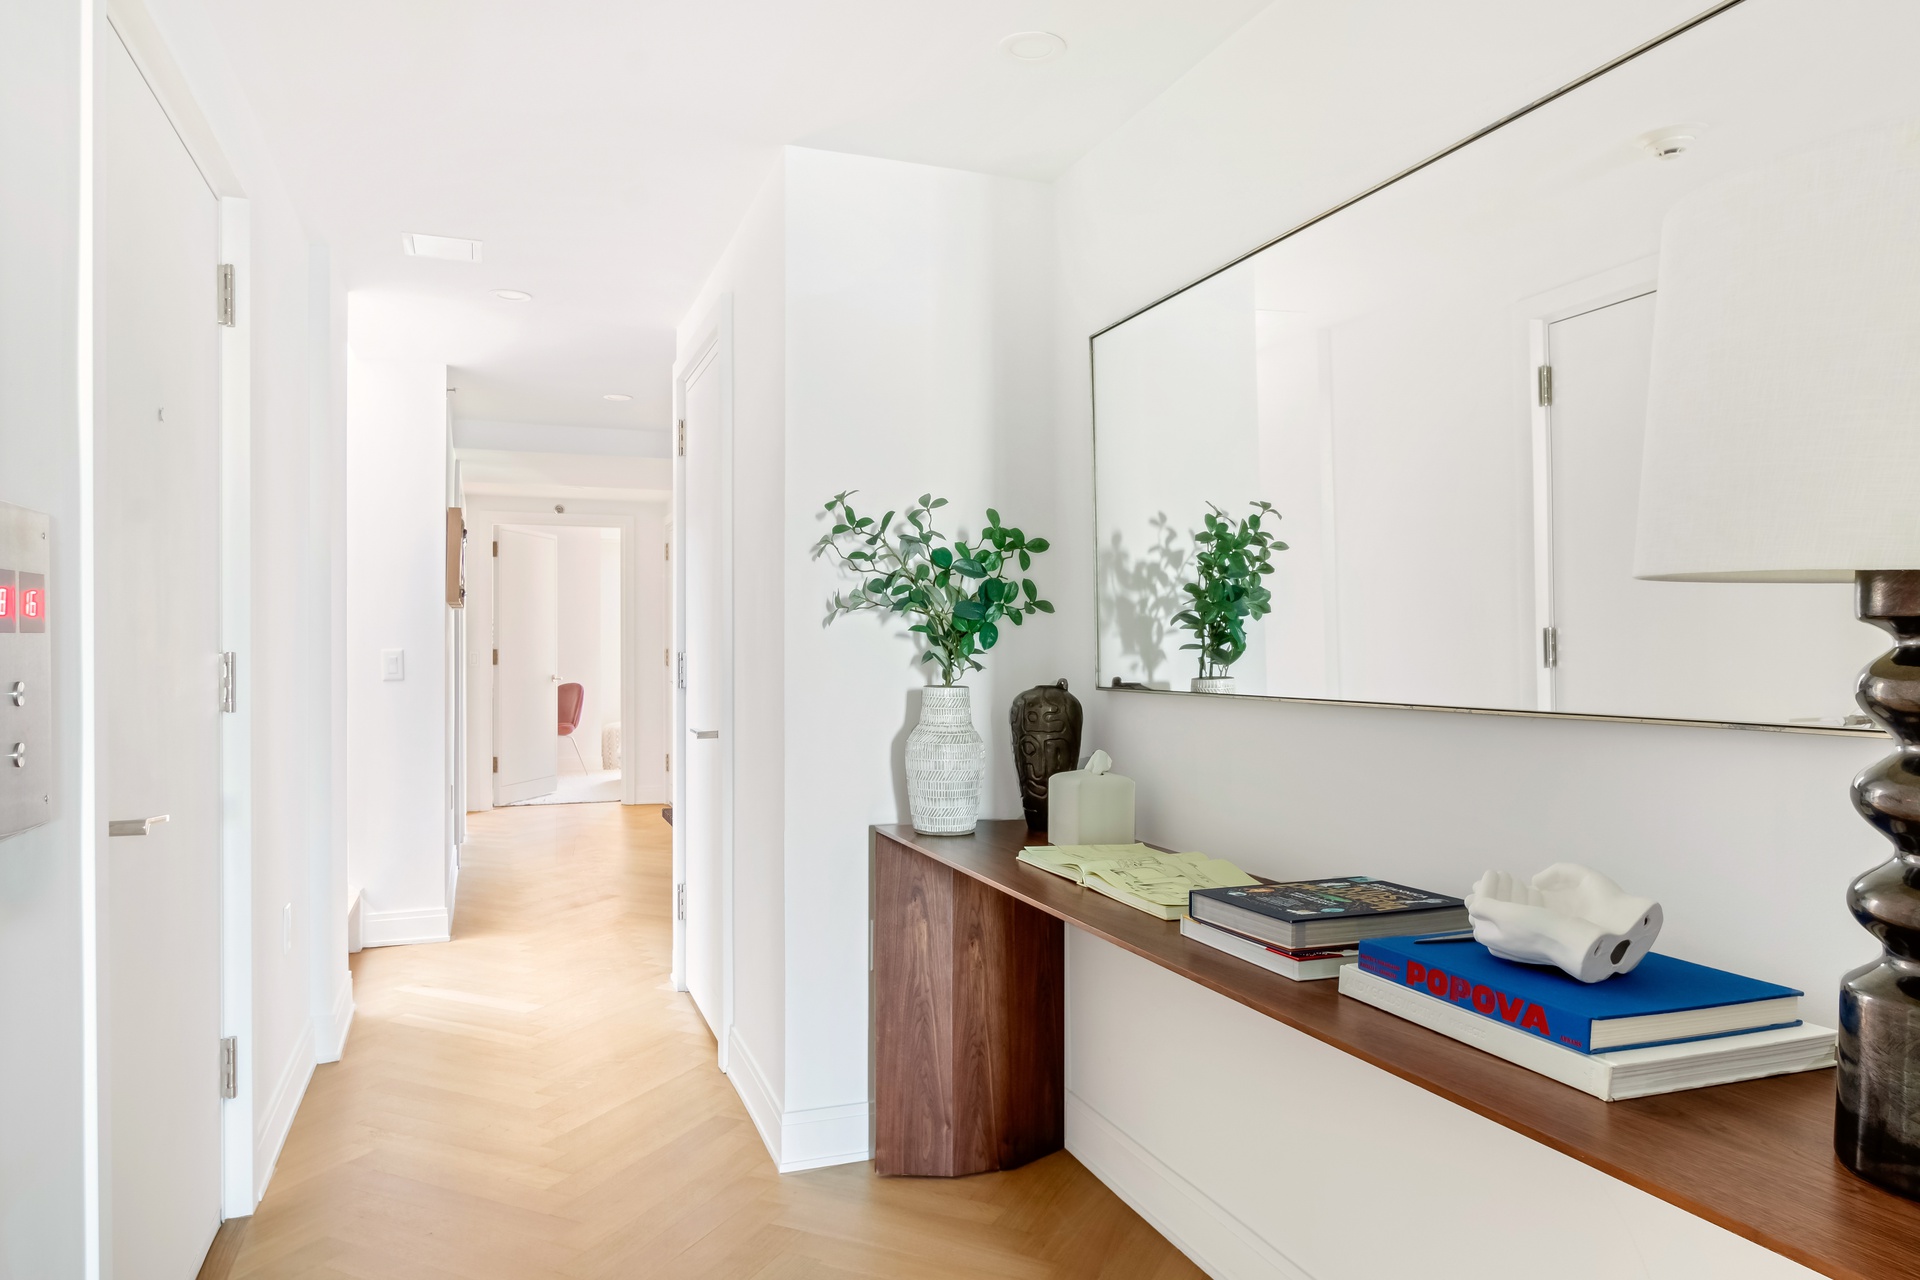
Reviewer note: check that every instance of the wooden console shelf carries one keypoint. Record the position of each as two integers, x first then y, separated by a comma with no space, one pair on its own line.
1755,1158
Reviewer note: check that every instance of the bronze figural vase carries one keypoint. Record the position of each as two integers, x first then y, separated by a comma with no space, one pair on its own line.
1046,740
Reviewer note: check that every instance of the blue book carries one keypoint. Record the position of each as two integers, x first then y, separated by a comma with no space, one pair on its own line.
1661,1001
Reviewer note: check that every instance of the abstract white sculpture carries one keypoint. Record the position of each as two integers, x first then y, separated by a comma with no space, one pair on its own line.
1568,915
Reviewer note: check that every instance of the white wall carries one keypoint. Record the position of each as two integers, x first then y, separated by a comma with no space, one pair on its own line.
1747,837
396,572
582,633
46,1086
908,353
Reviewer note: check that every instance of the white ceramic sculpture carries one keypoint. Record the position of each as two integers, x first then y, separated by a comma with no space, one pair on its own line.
1568,915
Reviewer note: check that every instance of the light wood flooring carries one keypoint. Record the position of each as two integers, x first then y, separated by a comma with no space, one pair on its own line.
531,1100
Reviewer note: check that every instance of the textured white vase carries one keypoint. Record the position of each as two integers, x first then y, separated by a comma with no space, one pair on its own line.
1211,684
946,762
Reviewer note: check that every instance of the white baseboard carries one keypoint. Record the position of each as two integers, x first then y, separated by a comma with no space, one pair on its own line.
797,1140
276,1121
1218,1243
330,1028
400,928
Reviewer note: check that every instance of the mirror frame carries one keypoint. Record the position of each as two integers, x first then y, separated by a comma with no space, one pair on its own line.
1120,686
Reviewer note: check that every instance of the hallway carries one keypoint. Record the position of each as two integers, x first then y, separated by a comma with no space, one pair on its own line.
531,1100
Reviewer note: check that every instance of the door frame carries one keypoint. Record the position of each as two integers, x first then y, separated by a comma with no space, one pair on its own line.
1543,311
711,346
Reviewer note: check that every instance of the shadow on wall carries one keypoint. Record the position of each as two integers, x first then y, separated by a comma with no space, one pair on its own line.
897,754
1143,594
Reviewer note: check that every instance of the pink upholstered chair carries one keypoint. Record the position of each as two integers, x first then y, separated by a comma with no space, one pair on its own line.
572,698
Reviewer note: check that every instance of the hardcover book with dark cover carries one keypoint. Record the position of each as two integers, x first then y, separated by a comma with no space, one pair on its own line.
1345,909
1662,1001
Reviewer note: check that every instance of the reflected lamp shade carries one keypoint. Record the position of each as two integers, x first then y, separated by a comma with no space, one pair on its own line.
1783,411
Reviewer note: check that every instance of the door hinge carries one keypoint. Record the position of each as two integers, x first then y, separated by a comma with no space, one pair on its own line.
1543,384
496,546
681,675
1549,646
666,551
496,657
680,901
683,437
666,656
223,303
230,1067
229,681
496,764
669,762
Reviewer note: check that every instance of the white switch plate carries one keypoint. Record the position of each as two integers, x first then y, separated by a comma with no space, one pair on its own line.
393,664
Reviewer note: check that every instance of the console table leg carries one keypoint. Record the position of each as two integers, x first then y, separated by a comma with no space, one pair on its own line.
969,1022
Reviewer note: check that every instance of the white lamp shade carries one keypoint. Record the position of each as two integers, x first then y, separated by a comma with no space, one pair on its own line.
1783,414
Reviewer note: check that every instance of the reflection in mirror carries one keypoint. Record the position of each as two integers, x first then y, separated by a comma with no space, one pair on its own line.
1441,390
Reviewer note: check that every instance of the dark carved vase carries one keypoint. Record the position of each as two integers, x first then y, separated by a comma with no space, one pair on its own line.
1046,741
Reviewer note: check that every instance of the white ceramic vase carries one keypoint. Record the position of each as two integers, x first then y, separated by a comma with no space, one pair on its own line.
946,763
1211,684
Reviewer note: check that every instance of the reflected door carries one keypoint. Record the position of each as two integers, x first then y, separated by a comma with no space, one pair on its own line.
526,684
707,674
157,495
1737,652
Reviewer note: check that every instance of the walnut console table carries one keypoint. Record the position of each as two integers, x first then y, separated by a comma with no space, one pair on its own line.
969,1034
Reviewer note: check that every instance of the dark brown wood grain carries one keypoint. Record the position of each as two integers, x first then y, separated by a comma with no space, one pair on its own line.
1755,1158
969,1021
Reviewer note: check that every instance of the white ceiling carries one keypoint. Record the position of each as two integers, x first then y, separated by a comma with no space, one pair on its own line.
605,151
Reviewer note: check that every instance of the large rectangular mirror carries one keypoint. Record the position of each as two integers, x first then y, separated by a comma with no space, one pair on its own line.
1459,523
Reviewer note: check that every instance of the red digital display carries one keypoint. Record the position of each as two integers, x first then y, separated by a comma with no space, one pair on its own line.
6,600
30,601
9,601
33,605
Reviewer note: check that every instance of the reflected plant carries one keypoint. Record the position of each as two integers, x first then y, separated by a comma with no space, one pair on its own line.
960,592
1144,593
1231,559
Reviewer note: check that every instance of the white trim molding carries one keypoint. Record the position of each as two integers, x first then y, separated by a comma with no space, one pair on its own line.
1212,1238
330,1028
277,1120
798,1140
402,928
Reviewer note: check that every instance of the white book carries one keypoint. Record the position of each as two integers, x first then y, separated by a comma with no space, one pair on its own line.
1619,1073
1266,957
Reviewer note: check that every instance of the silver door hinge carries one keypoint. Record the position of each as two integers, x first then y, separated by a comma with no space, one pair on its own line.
681,677
1549,646
230,1067
683,437
223,303
680,901
1543,384
229,681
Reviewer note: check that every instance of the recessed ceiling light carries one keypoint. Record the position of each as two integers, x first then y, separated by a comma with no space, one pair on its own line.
446,247
1033,46
615,395
513,295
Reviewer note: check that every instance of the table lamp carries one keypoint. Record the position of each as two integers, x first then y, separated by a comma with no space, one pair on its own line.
1783,445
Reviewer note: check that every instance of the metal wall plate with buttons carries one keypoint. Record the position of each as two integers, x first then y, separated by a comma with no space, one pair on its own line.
26,671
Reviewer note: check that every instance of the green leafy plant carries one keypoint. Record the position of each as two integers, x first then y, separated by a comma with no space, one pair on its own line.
1230,559
960,591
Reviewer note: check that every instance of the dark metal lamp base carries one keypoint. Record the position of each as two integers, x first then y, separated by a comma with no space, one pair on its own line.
1877,1113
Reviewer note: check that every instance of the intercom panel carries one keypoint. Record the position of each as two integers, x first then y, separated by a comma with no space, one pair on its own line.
26,672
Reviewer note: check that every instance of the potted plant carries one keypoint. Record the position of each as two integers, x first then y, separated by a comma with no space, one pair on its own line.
1230,559
958,592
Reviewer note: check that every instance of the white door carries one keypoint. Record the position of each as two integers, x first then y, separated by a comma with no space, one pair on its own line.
526,684
157,494
1692,650
708,674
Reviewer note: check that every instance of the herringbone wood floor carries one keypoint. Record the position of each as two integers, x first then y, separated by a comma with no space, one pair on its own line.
531,1100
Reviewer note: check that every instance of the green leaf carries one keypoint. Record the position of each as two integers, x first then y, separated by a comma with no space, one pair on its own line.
926,499
972,610
972,568
1037,545
839,529
1026,585
942,557
993,517
989,635
1026,561
1016,618
1043,606
937,502
878,586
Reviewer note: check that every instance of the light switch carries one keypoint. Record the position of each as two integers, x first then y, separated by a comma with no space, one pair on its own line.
393,664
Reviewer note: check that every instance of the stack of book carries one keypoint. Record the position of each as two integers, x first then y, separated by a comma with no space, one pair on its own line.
1307,929
1667,1025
